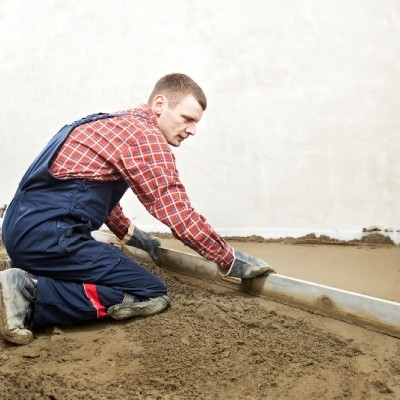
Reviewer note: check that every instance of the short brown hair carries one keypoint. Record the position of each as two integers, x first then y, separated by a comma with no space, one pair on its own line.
175,86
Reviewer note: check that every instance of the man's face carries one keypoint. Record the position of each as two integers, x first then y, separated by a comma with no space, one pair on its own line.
179,122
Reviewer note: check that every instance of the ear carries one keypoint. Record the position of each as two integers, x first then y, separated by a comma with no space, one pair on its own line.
159,104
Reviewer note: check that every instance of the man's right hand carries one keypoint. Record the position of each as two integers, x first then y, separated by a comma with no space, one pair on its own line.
144,241
246,267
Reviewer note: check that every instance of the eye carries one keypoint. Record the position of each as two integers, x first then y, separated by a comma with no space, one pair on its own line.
187,119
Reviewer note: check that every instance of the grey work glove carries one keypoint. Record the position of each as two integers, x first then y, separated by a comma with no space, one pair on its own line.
144,241
245,266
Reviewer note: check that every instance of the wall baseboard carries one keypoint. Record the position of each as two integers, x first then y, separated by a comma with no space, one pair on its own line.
282,233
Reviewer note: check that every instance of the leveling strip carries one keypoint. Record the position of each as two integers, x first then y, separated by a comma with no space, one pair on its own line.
369,312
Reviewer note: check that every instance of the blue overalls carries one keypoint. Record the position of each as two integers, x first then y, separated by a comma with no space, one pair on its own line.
47,232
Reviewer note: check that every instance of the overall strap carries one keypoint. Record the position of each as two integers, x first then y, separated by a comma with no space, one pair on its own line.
99,116
94,117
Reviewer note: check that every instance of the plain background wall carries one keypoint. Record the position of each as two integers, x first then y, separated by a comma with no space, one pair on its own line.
302,131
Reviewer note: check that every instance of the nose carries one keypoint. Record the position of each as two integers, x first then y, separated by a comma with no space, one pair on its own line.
191,129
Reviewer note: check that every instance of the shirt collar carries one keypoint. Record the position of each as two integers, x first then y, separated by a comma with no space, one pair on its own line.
145,111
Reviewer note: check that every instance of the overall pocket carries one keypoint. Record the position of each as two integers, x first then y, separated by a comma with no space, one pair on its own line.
71,233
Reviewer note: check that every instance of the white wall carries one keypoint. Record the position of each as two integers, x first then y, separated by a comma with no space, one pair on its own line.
302,132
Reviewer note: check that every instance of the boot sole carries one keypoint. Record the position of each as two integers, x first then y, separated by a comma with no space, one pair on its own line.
145,309
11,336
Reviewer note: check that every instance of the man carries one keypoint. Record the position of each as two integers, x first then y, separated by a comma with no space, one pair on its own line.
64,276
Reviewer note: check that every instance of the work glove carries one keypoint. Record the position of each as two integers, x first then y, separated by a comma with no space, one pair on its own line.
245,266
144,241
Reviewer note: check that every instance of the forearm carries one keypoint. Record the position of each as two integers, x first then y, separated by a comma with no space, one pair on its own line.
192,229
117,222
207,243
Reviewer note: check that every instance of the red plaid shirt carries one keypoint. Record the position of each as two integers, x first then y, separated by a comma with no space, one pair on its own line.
132,148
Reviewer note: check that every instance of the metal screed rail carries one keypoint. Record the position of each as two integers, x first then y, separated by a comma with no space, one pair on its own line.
366,311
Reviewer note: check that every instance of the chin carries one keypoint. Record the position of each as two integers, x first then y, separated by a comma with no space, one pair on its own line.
174,143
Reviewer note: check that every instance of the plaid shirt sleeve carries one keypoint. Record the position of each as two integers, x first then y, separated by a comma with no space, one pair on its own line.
117,222
149,168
